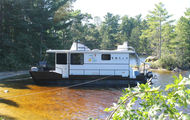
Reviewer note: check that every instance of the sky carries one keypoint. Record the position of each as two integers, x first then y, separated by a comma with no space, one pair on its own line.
130,7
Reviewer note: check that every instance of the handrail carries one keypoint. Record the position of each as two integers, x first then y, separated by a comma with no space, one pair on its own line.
129,47
144,69
99,70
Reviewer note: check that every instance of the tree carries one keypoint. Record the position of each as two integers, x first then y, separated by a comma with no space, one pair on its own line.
156,19
126,28
181,44
28,28
92,36
130,30
109,31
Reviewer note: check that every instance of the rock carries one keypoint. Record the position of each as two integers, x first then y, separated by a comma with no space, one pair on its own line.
6,91
151,59
176,69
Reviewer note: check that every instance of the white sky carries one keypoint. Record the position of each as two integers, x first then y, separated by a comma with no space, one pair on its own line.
130,7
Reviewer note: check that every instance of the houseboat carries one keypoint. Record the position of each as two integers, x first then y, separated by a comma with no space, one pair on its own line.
82,66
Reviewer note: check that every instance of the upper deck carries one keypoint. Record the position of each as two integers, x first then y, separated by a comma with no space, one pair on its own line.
80,48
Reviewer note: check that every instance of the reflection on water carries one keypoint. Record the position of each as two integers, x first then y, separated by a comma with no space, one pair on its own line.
166,77
26,100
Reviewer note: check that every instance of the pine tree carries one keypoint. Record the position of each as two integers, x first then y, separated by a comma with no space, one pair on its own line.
156,19
181,44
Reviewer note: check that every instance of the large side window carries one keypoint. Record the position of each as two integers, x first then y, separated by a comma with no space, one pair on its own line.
77,58
61,58
106,57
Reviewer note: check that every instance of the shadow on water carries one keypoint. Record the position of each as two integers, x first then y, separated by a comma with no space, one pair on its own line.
87,86
5,117
8,102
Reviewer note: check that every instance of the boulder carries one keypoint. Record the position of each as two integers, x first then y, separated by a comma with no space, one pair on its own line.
176,69
151,59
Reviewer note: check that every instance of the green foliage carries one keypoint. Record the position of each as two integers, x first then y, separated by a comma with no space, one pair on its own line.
131,30
112,32
176,49
181,44
168,61
155,65
30,27
84,31
158,28
145,102
109,31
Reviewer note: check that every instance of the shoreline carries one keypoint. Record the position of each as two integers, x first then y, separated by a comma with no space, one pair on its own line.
8,74
161,70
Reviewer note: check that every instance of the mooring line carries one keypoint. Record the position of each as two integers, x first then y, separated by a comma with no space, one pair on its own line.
75,85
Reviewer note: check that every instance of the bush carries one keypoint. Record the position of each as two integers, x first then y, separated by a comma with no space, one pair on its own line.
183,62
171,61
155,65
168,62
144,102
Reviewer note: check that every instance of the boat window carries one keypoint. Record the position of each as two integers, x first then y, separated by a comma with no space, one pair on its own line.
77,58
106,57
61,58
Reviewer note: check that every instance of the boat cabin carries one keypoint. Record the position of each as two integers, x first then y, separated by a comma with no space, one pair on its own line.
80,60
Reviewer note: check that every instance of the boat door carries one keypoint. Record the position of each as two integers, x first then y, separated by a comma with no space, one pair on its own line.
61,66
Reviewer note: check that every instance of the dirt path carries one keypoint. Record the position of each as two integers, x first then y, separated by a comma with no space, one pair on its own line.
4,75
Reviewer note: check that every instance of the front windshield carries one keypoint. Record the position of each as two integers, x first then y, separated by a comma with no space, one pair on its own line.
49,58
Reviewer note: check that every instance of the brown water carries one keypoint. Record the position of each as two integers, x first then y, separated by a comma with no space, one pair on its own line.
27,101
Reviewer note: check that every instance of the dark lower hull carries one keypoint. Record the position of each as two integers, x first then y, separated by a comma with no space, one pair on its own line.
52,78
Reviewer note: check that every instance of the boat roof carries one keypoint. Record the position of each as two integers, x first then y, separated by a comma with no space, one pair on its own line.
91,51
80,48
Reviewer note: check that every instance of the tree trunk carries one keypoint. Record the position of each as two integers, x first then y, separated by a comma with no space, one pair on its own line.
160,55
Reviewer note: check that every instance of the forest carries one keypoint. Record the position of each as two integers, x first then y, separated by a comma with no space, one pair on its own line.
29,27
